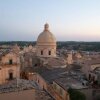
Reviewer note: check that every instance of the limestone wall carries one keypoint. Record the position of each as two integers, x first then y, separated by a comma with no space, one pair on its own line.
6,68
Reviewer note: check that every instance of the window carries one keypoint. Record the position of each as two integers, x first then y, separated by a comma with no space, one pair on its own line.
41,52
10,61
89,76
35,64
38,81
43,87
49,52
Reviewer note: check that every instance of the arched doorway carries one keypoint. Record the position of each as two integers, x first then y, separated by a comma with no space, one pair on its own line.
10,74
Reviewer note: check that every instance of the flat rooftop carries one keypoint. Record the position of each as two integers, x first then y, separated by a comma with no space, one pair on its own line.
20,95
18,85
70,82
22,90
65,78
52,74
26,95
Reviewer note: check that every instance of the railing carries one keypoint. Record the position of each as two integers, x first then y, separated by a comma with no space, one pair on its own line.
8,79
4,64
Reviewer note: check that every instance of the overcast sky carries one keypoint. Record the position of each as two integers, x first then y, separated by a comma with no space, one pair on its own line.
69,20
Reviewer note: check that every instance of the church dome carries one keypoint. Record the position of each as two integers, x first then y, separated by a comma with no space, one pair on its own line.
46,37
46,43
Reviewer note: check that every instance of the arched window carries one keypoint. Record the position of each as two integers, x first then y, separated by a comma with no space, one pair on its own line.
49,52
10,61
41,52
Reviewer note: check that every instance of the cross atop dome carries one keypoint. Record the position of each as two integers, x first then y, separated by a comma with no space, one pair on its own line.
46,27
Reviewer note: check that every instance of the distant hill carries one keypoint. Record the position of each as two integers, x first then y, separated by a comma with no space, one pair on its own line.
85,46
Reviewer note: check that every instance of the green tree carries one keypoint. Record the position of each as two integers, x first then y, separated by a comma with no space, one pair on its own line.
76,95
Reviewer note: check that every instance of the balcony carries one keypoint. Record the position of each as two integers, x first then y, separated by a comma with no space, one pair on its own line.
9,79
8,64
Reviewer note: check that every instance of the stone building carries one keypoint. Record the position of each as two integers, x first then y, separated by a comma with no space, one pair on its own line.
9,67
91,69
29,48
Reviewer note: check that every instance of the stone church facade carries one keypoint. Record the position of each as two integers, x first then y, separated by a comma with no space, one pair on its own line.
9,67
